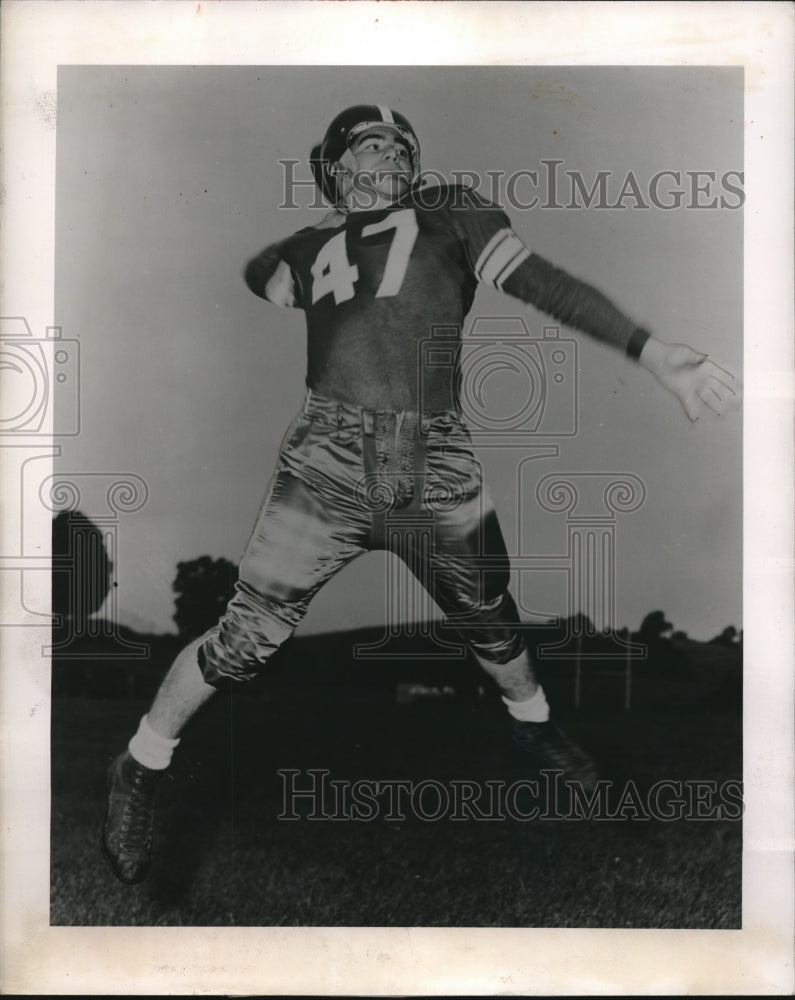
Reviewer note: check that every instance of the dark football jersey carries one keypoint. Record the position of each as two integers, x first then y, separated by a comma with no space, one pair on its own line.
383,288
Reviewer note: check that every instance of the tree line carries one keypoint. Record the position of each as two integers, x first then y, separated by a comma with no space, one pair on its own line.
82,578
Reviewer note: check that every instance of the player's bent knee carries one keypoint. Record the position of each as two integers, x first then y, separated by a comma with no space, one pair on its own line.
498,646
237,654
492,629
219,663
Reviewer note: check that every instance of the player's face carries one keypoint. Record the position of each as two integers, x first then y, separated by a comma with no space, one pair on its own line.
377,166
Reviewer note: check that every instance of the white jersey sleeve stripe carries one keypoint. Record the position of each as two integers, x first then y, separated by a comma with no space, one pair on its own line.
508,270
489,248
280,289
500,258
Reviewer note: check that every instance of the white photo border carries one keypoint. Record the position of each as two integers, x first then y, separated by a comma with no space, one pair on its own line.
37,37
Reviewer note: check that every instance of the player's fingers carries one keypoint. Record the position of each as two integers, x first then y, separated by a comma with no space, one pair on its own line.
731,396
724,385
713,368
719,388
691,406
710,398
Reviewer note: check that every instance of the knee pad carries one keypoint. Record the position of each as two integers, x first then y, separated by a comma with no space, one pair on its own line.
238,648
492,630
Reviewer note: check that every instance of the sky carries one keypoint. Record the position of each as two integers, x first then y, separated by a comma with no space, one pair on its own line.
168,179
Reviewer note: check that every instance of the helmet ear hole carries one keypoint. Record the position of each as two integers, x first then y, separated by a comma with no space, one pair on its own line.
323,173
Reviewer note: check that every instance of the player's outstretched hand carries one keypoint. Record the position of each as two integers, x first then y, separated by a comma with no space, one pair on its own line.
695,380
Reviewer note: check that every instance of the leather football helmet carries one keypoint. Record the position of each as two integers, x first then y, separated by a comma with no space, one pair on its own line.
344,129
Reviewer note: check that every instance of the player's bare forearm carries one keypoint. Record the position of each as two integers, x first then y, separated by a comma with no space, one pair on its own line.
695,380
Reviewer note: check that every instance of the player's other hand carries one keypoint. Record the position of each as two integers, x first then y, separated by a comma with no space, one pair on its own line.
695,380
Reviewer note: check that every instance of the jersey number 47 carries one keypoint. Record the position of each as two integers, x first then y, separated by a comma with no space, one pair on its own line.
333,274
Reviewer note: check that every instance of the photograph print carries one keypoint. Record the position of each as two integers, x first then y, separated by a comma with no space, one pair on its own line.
397,521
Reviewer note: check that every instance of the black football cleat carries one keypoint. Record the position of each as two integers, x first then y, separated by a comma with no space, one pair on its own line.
551,749
126,839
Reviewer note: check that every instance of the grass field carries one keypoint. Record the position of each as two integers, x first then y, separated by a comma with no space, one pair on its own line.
223,856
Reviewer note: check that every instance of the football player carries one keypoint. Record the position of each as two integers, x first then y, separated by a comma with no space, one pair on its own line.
380,439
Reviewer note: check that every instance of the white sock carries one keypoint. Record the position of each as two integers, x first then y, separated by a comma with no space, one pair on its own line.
535,709
151,749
